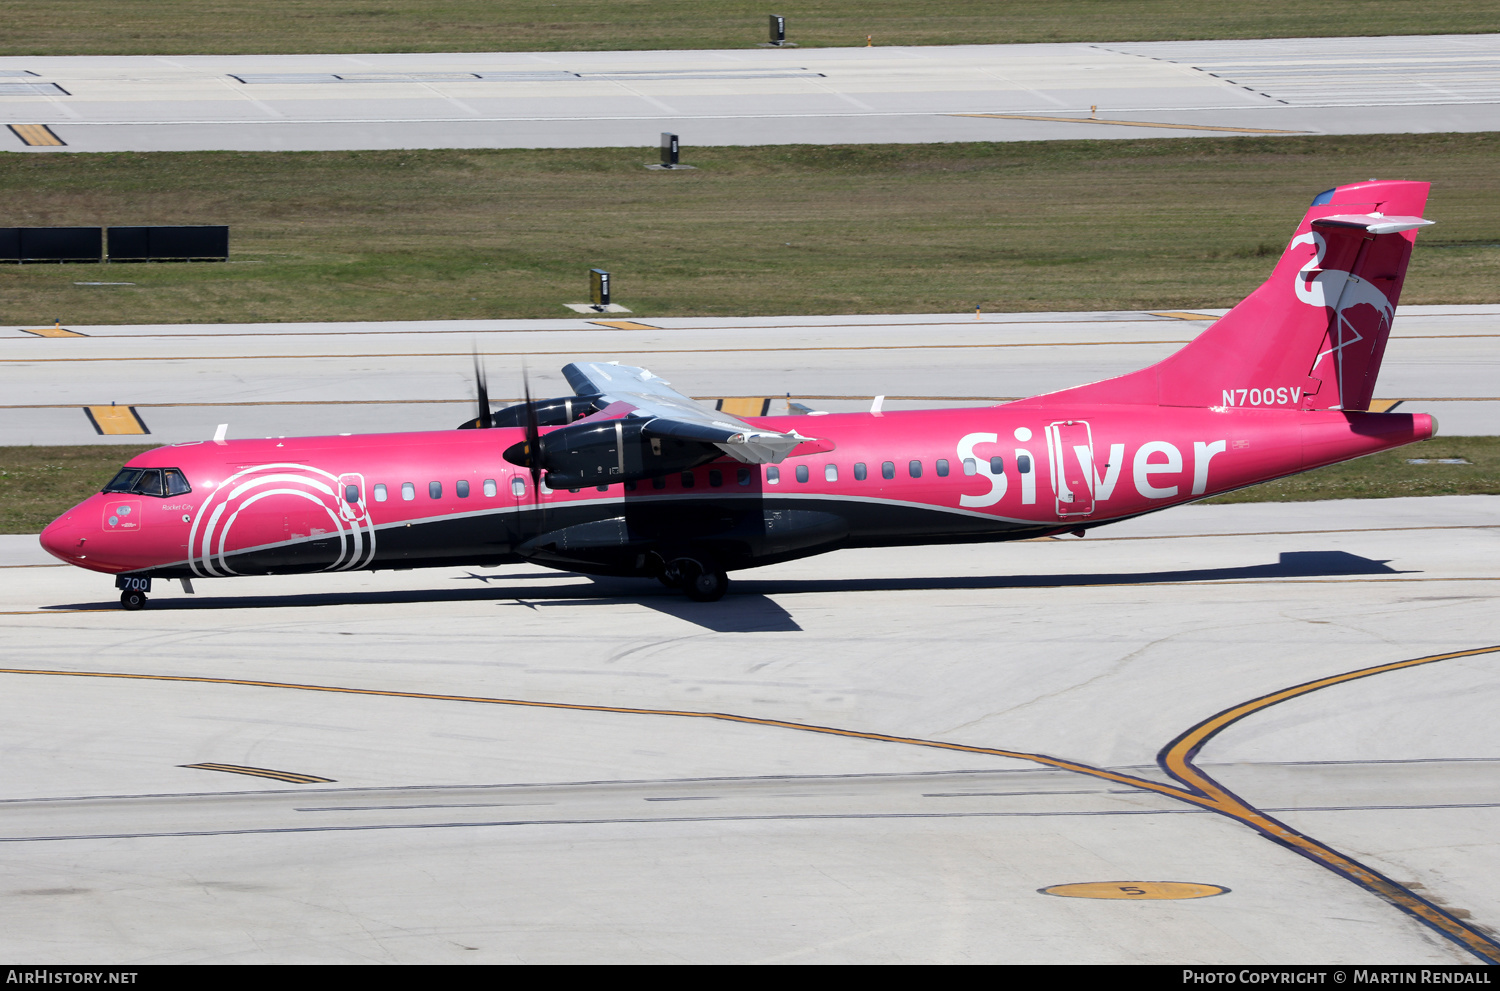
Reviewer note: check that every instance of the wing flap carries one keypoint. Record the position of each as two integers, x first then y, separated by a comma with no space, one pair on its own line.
671,414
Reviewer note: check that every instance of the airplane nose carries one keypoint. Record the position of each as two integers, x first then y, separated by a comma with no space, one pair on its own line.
65,540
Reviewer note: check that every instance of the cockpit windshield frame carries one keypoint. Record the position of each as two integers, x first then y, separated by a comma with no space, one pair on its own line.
158,482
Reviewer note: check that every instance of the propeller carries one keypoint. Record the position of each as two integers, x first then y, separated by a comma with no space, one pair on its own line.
533,446
484,420
533,432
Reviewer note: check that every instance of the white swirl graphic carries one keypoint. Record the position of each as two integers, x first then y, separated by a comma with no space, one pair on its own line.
349,522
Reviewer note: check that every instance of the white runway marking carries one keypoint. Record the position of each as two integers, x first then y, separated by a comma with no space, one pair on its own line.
757,96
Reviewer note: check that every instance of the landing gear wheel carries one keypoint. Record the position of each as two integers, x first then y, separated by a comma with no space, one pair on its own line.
708,585
703,581
132,600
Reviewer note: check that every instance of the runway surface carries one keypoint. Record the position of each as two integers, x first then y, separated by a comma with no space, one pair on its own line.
296,379
876,755
752,96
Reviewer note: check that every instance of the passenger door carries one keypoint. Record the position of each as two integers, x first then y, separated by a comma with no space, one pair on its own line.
1070,448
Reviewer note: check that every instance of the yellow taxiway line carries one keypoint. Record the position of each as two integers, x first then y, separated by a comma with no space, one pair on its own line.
291,777
1196,787
1135,123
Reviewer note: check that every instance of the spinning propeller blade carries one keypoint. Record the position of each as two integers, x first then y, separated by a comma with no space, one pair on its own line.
484,420
533,448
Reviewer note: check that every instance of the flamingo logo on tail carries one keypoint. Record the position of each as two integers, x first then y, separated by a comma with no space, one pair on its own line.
1345,292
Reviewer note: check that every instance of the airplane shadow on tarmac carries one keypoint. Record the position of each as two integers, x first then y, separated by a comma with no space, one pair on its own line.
747,608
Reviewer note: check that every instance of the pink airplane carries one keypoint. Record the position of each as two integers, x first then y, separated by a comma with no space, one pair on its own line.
629,477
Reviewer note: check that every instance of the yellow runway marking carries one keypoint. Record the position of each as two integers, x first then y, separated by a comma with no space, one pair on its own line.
573,353
115,420
624,325
1134,123
58,331
1384,405
1138,890
1183,315
744,406
291,777
36,135
470,401
1197,788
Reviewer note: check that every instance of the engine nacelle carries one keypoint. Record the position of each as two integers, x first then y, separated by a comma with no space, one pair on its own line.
549,412
609,452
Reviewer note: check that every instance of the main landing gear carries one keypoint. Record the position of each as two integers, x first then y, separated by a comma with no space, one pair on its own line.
132,599
703,581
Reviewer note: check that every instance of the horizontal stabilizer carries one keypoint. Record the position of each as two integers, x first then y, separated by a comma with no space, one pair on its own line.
1373,222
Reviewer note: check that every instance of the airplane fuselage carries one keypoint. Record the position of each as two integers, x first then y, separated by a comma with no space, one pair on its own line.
278,506
651,483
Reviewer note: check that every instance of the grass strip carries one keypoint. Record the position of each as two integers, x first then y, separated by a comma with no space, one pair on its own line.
209,27
37,484
470,234
1388,475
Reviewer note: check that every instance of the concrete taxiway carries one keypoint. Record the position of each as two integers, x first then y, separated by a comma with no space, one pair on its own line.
751,96
295,379
866,756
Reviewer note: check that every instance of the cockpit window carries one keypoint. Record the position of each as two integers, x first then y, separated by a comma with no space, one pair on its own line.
149,481
176,483
124,481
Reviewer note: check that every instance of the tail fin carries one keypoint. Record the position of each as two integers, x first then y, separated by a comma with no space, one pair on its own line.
1311,337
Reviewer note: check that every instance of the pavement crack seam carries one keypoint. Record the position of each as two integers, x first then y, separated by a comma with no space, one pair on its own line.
1197,788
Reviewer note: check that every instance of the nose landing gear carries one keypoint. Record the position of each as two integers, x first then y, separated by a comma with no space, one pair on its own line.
132,599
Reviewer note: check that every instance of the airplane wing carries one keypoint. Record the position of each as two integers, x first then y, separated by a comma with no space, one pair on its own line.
671,414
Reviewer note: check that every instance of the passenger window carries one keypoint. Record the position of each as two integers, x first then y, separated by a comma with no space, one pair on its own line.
802,473
629,486
859,471
914,469
942,468
408,491
688,480
380,492
602,488
997,465
971,467
659,482
490,488
742,476
887,469
176,483
1023,463
830,473
434,490
461,487
773,475
517,486
351,494
715,478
